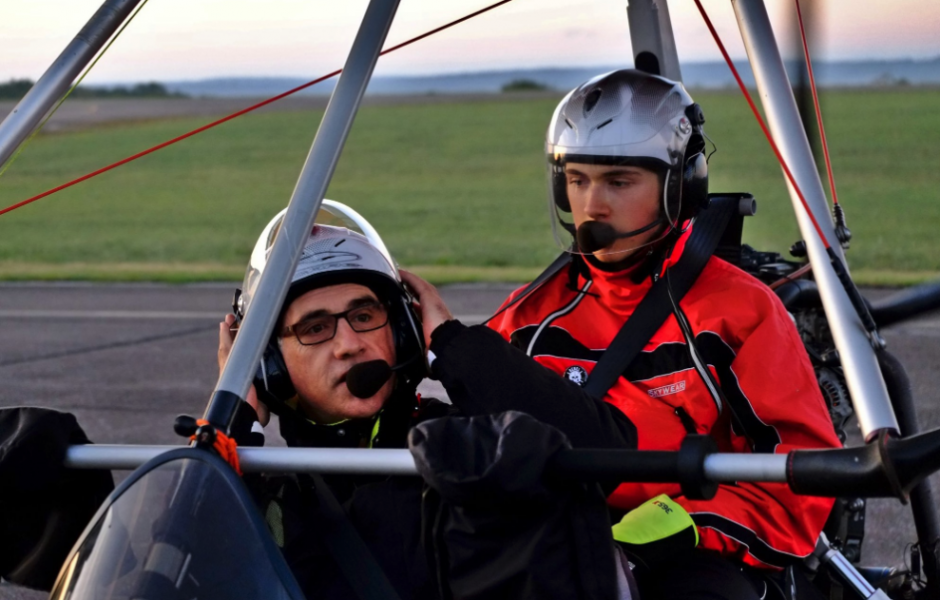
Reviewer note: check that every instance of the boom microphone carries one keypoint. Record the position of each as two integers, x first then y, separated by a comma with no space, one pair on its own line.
595,235
365,379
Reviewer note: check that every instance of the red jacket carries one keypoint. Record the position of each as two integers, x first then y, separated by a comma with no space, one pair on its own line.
753,349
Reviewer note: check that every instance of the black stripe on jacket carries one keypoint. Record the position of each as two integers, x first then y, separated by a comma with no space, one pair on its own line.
757,547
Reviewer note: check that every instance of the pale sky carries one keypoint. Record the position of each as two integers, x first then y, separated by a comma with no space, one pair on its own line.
193,39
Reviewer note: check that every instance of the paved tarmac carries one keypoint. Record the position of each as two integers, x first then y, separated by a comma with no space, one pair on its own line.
126,359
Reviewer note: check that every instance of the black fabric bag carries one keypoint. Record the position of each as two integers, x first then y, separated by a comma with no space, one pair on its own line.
44,507
497,525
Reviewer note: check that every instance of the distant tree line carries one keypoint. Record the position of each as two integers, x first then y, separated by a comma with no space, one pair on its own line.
17,88
524,85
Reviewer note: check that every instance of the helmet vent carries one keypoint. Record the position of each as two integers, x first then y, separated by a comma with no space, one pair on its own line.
651,108
591,101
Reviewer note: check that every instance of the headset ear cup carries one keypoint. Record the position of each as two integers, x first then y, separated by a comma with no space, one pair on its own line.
409,345
272,381
695,184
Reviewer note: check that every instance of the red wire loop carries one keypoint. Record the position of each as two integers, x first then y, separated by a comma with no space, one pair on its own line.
819,119
763,126
243,111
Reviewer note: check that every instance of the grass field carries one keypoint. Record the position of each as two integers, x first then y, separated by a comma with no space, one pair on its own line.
457,190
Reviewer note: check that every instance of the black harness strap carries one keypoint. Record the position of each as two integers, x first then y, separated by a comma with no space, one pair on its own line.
656,306
351,554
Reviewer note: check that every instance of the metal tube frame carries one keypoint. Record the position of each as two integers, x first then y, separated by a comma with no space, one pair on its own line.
863,376
651,32
849,574
304,204
922,497
722,467
362,461
57,79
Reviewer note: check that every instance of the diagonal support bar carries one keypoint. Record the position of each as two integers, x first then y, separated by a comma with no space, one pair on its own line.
654,45
862,373
254,332
57,79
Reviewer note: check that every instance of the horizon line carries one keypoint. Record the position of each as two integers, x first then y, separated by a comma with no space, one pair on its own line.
598,68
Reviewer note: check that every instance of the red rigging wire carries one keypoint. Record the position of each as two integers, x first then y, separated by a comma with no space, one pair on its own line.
838,267
243,111
819,119
166,143
763,126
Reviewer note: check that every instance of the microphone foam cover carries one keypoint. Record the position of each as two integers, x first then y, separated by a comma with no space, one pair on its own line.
593,236
366,379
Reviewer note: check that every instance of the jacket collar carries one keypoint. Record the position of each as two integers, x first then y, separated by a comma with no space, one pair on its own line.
621,286
391,421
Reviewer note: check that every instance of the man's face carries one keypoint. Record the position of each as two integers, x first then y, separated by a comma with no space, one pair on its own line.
318,372
626,198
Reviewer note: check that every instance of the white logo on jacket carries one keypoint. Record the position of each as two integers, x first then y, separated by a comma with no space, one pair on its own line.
576,375
672,388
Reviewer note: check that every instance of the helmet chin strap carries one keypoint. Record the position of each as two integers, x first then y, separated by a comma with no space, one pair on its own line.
594,235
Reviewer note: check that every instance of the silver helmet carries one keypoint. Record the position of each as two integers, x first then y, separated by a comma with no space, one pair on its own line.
342,244
629,118
342,248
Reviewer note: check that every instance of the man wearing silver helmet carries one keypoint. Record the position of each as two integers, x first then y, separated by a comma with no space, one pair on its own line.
345,307
628,176
341,370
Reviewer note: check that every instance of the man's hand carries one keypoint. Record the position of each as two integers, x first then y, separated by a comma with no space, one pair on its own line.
430,306
226,339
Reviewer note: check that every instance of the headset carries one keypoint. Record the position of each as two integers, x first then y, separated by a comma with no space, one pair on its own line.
349,252
272,380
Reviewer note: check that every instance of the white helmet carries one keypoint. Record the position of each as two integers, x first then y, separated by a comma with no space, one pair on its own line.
623,118
348,250
342,245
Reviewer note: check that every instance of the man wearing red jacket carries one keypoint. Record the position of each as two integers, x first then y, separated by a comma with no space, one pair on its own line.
626,162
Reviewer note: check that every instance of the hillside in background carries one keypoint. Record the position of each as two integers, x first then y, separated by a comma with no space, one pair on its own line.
17,88
708,75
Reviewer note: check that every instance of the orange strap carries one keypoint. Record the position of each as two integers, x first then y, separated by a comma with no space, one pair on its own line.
225,446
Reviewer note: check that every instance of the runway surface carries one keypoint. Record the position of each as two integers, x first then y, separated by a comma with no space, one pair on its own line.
126,359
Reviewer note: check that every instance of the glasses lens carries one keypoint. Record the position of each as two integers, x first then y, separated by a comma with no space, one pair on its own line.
316,330
367,318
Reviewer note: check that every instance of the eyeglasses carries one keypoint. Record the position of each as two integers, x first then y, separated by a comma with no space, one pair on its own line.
322,328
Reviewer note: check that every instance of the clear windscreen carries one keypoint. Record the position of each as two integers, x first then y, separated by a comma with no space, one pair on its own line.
609,207
177,533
